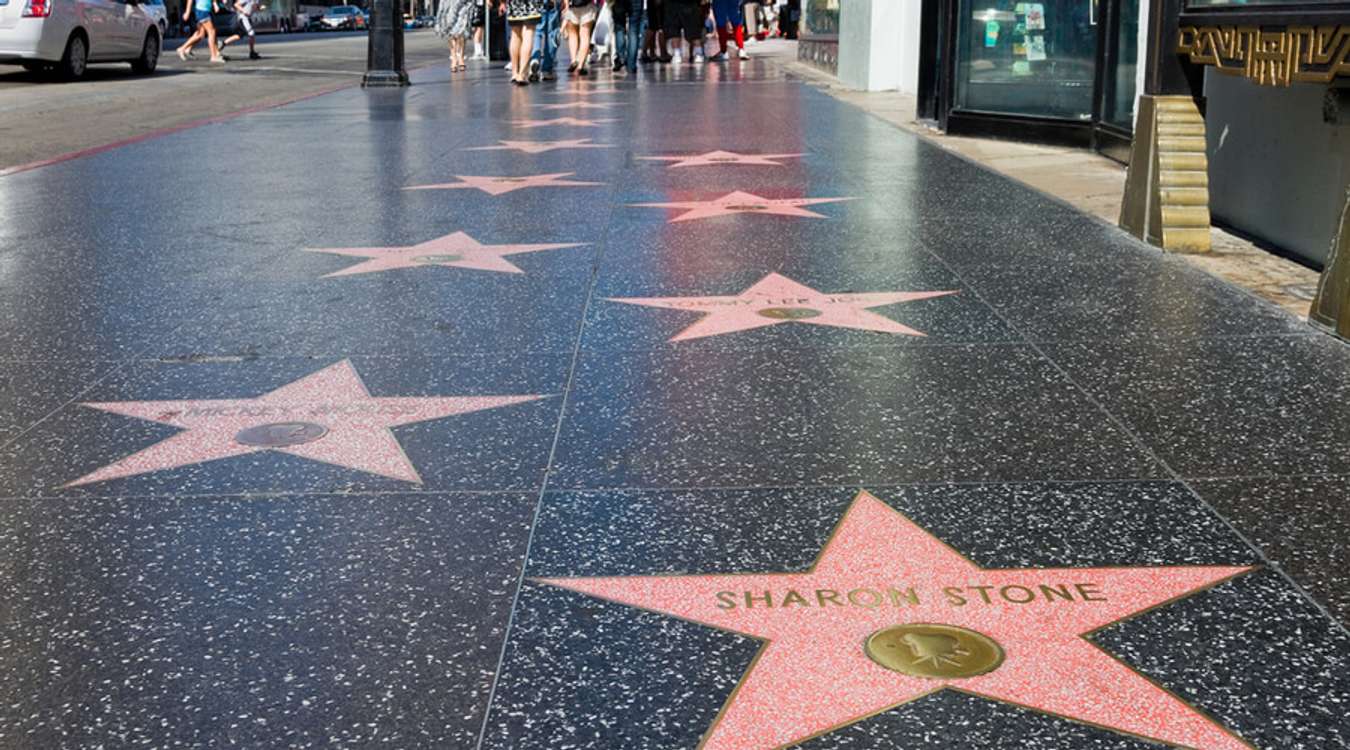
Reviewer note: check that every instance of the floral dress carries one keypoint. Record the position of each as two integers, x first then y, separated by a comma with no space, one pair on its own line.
455,17
524,11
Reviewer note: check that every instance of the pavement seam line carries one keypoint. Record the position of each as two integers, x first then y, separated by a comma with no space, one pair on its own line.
601,246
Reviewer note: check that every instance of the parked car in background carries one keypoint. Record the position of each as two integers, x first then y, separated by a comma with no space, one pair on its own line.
68,35
344,18
157,9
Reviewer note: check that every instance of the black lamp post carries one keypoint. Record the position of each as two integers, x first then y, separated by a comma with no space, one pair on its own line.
384,51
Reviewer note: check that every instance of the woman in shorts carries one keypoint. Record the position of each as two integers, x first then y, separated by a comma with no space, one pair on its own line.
521,16
201,10
578,24
452,25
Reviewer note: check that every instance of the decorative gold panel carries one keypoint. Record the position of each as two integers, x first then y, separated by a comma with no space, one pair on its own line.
1314,54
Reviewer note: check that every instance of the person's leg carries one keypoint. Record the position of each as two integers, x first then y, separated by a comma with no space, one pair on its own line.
570,34
549,54
527,44
637,25
538,52
515,51
211,40
584,46
477,41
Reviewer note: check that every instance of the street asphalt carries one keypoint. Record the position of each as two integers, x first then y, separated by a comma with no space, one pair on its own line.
42,119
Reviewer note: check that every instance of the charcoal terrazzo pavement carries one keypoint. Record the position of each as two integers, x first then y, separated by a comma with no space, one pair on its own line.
1080,401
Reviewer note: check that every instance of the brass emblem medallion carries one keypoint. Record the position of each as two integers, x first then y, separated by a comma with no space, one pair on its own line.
934,651
281,434
437,258
789,313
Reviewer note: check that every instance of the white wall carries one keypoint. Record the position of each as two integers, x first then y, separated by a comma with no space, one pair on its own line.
879,45
1276,170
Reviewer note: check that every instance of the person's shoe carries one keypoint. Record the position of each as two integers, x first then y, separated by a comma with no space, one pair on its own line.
677,58
584,70
534,70
742,54
572,68
548,75
719,57
646,59
506,66
219,60
254,56
182,55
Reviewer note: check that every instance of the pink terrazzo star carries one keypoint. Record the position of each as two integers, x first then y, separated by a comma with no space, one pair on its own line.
722,159
539,147
572,121
777,299
328,416
743,203
502,185
457,250
880,570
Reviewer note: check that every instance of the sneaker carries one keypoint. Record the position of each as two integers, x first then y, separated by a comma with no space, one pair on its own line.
665,59
254,56
534,70
506,66
719,57
182,55
742,54
618,66
218,60
677,58
548,75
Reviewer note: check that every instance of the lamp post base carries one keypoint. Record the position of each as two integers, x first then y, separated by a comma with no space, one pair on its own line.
374,79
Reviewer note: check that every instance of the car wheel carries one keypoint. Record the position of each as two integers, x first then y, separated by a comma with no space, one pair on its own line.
149,59
75,59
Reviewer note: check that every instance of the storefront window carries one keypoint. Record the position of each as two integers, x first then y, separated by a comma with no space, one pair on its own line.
822,17
1034,58
1119,104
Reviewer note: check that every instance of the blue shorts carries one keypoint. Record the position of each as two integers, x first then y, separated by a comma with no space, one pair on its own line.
202,15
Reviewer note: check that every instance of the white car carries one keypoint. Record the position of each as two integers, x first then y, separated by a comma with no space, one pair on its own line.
69,34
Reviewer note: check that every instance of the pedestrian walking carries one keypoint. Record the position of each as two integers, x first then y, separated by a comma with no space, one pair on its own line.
243,27
201,10
479,24
578,23
630,20
545,56
522,17
655,45
684,21
453,22
730,21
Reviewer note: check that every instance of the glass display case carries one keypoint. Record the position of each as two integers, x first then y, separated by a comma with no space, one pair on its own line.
1036,58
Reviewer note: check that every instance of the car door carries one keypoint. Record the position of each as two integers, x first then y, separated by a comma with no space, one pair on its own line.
103,21
136,18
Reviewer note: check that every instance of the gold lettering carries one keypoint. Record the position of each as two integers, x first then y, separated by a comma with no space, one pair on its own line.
1062,591
984,593
726,600
1028,593
908,594
828,595
750,600
876,598
953,594
792,597
1089,592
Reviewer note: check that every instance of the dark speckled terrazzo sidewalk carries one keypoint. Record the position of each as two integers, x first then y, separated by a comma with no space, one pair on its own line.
297,458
